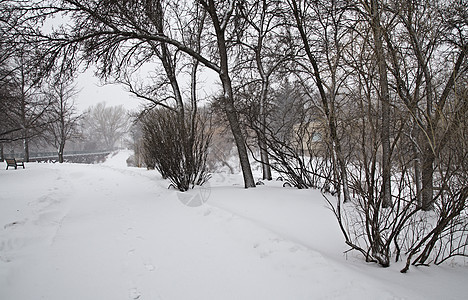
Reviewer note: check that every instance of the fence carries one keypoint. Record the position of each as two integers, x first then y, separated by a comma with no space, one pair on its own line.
87,157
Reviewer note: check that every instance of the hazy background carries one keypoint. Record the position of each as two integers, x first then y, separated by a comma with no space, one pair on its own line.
93,91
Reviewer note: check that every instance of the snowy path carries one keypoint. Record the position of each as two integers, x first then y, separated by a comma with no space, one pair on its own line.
111,232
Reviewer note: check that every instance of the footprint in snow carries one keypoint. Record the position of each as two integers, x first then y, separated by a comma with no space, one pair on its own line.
14,224
5,259
134,294
150,267
265,254
294,248
128,231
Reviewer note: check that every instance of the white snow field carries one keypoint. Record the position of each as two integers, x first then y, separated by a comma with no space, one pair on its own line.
70,231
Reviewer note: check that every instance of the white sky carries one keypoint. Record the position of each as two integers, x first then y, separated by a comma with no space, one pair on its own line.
92,91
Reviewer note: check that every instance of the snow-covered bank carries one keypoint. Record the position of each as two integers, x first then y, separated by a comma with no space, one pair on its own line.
111,232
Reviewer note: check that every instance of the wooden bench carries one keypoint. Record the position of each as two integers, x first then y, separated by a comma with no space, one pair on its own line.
11,162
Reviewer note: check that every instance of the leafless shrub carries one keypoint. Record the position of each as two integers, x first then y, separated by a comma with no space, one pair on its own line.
177,149
404,230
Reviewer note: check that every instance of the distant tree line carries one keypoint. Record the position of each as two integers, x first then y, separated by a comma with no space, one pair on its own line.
39,112
364,99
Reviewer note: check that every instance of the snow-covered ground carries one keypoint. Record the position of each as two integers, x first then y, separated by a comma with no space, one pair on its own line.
70,231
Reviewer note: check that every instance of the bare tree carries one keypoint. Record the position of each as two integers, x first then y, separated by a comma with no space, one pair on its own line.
429,32
106,124
380,233
373,11
221,15
67,121
26,110
304,15
111,36
264,47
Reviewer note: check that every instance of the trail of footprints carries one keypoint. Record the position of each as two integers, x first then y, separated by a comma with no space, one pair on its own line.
136,263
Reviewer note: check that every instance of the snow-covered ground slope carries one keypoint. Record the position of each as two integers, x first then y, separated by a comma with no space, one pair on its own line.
107,231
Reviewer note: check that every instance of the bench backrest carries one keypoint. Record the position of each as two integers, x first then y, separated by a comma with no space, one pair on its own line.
10,161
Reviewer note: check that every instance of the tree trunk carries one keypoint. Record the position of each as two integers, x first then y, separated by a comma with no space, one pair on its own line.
266,169
417,178
234,123
427,192
385,100
344,176
60,152
264,158
228,96
23,116
26,148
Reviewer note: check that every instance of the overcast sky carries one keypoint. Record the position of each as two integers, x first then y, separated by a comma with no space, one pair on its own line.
92,92
91,89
